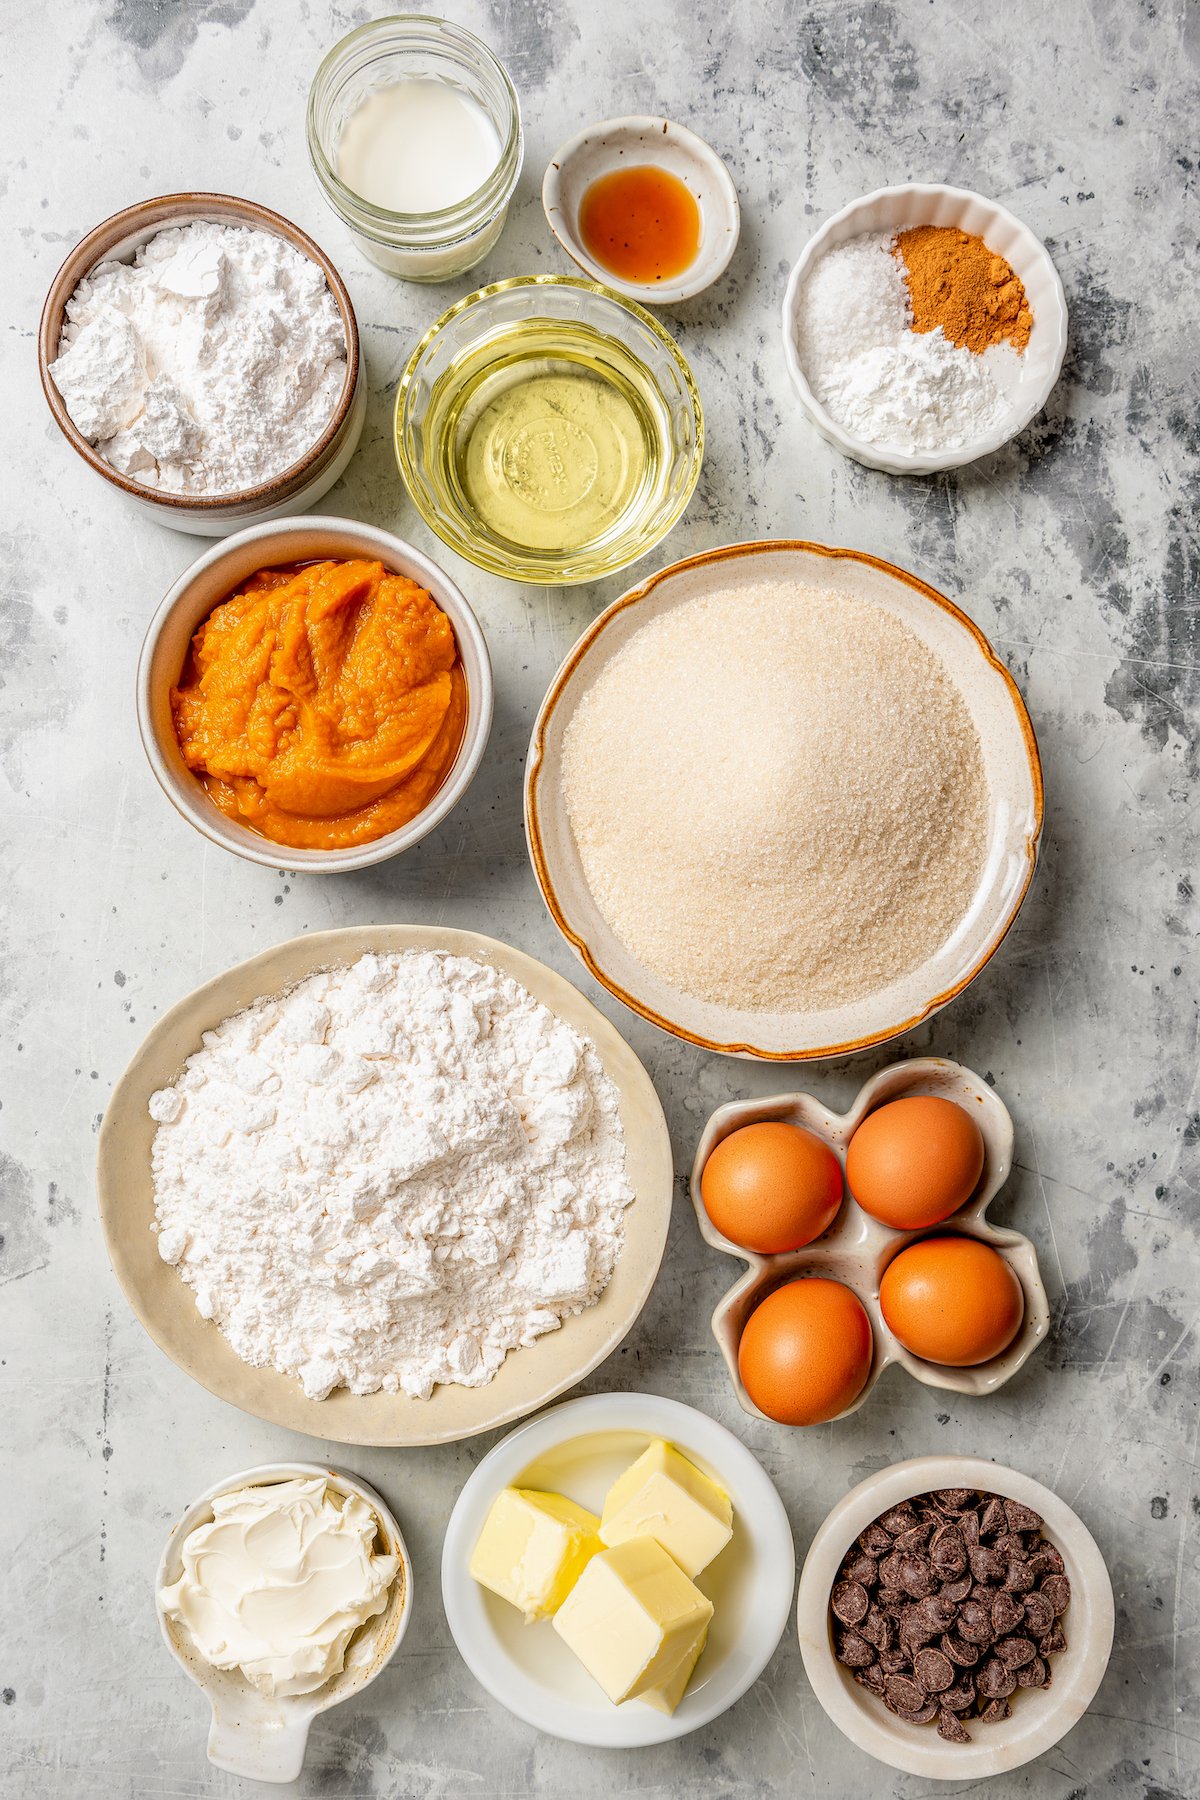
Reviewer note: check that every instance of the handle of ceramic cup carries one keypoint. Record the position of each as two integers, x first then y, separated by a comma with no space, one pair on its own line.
259,1746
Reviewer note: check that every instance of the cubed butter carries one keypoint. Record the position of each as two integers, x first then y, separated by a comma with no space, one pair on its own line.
533,1549
633,1618
666,1699
664,1496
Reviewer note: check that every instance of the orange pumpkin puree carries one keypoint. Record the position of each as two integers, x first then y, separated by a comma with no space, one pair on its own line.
323,706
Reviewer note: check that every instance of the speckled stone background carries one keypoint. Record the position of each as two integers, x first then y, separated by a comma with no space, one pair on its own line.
1075,549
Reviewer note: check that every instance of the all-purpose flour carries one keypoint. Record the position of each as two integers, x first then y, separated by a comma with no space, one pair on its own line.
391,1176
209,364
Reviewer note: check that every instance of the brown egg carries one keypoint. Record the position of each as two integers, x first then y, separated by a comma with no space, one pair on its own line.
772,1187
952,1300
805,1352
915,1161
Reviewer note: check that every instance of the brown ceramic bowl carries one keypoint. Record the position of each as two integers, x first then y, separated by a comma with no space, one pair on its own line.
208,515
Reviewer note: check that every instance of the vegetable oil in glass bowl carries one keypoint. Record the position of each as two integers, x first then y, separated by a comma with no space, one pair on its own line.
549,431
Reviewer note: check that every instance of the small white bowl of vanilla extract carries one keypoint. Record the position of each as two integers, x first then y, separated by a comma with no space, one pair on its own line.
645,206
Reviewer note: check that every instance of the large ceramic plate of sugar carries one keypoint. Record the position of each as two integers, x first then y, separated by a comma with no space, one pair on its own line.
530,1376
1012,828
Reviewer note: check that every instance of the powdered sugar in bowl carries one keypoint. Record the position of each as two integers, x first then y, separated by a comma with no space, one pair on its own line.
978,413
241,297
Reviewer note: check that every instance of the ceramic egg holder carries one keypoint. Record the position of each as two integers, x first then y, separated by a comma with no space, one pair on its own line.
857,1248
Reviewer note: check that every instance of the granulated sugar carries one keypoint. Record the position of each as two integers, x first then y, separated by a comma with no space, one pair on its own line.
778,796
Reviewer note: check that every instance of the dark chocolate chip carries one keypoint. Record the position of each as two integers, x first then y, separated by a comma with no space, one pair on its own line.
1054,1640
1046,1560
968,1524
1032,1674
1015,1652
986,1565
975,1622
959,1651
953,1499
1057,1590
937,1611
1021,1518
858,1566
922,1716
894,1661
948,1552
849,1602
1011,1544
874,1541
916,1537
1007,1614
1019,1577
956,1591
878,1629
902,1692
1039,1614
889,1570
994,1681
934,1672
952,1729
994,1711
855,1651
991,1519
870,1677
916,1576
898,1519
917,1627
959,1698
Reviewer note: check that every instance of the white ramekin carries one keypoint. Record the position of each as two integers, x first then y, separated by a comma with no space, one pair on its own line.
624,143
211,579
924,203
1044,1715
258,1738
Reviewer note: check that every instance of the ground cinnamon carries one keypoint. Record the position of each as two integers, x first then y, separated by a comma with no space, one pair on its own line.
956,282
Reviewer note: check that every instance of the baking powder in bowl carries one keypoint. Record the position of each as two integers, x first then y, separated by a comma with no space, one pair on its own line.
210,364
391,1175
778,797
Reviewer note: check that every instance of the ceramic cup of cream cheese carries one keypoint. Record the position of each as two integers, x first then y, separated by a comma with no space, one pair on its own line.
282,1591
414,134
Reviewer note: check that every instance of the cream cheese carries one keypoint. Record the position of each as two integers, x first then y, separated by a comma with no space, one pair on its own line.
279,1580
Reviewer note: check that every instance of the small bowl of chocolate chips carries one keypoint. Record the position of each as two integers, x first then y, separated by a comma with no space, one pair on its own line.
955,1617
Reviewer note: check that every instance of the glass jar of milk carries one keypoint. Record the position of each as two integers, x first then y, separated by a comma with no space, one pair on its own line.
414,133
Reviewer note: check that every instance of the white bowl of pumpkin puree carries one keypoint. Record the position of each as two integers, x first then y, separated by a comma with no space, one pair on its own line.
314,693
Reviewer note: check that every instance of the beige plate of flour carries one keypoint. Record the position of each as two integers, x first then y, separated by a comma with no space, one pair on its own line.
1014,822
529,1377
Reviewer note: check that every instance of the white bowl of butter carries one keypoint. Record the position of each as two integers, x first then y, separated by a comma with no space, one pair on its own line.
537,1665
281,1591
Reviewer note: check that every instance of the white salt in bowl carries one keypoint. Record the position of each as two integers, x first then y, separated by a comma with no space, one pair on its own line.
920,203
1015,806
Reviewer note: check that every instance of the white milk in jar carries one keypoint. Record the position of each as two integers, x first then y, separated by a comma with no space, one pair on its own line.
417,147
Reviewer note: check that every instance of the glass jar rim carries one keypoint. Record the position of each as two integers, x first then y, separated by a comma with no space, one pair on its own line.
499,183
